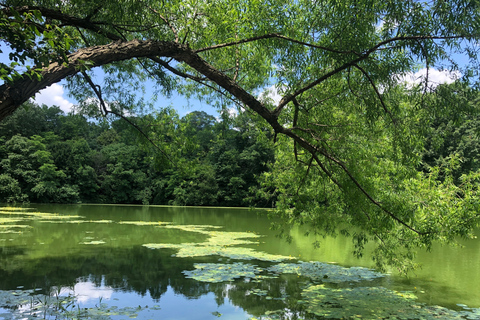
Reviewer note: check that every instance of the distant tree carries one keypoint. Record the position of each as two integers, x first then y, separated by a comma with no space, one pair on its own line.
30,164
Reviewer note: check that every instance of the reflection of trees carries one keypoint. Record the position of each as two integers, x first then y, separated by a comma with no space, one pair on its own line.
144,271
137,269
285,286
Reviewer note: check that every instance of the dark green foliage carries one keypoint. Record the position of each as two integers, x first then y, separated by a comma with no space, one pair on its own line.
199,161
453,136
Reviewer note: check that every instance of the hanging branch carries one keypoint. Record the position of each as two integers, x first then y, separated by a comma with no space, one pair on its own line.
175,33
372,83
103,105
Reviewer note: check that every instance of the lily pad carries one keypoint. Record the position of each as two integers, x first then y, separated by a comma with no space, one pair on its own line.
217,272
325,272
370,303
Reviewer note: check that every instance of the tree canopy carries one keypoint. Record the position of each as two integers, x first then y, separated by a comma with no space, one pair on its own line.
349,134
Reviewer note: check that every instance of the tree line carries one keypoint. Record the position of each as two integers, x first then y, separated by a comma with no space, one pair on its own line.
47,156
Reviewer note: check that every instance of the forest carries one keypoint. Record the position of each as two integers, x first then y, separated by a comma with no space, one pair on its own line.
47,156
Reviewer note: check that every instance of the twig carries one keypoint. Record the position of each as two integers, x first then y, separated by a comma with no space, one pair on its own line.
372,83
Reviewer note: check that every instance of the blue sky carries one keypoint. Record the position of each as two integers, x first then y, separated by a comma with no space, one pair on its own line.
56,94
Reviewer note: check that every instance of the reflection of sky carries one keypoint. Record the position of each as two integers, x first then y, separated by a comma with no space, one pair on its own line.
177,307
171,306
87,292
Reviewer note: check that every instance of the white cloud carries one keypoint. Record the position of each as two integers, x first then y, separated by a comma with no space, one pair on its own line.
435,77
271,94
53,96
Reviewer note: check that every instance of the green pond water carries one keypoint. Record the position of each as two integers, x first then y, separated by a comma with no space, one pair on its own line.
123,262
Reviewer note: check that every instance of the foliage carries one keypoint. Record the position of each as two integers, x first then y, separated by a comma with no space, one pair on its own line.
74,160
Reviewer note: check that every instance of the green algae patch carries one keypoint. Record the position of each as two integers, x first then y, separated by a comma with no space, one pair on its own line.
319,271
219,243
10,225
95,242
186,250
34,215
13,228
370,303
9,220
76,221
193,227
10,209
217,272
144,223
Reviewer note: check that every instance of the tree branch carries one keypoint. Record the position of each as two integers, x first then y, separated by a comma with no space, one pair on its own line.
372,83
66,19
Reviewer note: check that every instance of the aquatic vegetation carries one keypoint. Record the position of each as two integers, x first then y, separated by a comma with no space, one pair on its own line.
219,243
217,272
371,303
95,242
193,227
76,221
203,249
143,223
31,215
9,220
317,299
326,272
6,225
9,209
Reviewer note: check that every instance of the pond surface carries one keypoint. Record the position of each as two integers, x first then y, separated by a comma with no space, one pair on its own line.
122,262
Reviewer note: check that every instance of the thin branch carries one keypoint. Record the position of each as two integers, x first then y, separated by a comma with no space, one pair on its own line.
237,59
315,46
229,44
369,197
306,174
273,35
98,92
325,170
189,76
66,19
372,83
175,33
295,120
289,97
176,71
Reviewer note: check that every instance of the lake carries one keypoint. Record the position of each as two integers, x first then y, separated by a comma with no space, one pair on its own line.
148,262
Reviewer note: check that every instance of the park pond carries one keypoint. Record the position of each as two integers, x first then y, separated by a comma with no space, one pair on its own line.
148,262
